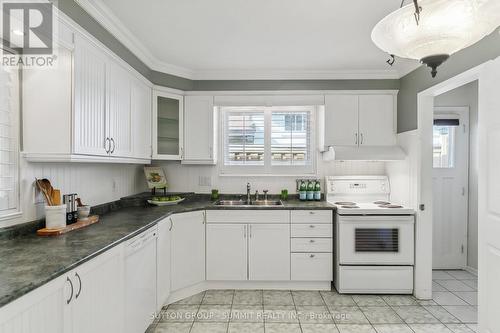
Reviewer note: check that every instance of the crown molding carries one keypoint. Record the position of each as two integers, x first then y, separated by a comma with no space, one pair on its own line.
101,13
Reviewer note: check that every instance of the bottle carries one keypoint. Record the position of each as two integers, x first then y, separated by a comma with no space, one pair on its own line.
310,190
302,191
317,191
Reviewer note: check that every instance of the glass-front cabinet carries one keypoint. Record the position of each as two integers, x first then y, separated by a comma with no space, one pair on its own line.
168,126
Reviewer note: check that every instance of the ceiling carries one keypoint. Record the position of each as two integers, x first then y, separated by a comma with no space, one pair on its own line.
253,39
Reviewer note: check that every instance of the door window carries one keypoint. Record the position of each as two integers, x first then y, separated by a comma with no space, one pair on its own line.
444,146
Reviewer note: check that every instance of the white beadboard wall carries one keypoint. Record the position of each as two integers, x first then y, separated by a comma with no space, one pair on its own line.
94,183
192,177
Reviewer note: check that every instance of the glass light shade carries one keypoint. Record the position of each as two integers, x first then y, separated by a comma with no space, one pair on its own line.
445,27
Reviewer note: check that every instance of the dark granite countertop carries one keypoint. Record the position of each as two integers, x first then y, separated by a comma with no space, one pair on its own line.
29,261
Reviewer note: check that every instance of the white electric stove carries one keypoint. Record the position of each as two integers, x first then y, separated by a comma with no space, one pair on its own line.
374,237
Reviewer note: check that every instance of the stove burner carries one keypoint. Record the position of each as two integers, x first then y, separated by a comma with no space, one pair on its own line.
350,206
382,203
390,206
345,203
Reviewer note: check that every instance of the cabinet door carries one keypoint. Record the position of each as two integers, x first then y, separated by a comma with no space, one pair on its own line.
269,252
167,126
97,304
226,252
120,132
141,115
40,311
341,120
376,120
199,130
90,127
188,249
163,251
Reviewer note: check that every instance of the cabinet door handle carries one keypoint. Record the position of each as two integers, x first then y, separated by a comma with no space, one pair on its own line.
355,138
71,295
244,231
250,233
113,141
171,225
361,139
106,141
80,285
204,217
182,153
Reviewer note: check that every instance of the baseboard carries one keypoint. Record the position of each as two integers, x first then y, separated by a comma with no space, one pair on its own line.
471,270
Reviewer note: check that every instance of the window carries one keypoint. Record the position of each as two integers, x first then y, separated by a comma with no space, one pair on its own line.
444,146
9,134
267,140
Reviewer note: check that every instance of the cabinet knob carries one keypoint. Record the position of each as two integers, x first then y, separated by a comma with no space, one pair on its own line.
311,256
311,226
312,213
311,241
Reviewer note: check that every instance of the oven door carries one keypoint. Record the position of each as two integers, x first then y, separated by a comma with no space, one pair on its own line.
375,240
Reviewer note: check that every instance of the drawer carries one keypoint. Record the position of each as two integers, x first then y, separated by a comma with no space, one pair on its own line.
311,216
312,267
375,279
248,216
312,245
312,230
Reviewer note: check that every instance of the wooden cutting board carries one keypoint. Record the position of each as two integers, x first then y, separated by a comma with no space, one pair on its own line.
75,226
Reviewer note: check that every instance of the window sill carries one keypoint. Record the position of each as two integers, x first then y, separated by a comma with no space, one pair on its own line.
5,219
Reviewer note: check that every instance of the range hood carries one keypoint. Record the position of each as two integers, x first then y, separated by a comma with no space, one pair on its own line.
366,153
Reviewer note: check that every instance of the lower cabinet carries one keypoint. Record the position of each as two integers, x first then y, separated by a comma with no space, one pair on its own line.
312,267
188,249
258,252
87,299
163,249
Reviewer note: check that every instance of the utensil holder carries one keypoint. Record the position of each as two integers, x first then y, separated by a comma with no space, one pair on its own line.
55,216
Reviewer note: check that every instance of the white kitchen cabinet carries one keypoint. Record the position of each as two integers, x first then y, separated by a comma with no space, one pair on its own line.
269,252
341,120
84,108
119,111
90,109
355,120
163,262
199,130
86,299
168,126
376,120
40,311
141,96
227,252
98,296
312,267
188,249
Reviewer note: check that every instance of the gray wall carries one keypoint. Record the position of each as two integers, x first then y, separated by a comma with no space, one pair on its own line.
468,96
420,79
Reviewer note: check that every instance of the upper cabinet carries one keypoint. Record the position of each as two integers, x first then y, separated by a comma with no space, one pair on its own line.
96,110
360,120
199,130
168,126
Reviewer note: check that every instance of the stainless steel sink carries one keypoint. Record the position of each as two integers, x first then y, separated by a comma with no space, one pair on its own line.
241,203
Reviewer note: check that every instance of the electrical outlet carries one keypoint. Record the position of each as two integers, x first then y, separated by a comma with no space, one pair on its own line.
204,181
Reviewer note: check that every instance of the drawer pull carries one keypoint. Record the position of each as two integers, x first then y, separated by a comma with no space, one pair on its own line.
311,241
311,256
312,213
311,226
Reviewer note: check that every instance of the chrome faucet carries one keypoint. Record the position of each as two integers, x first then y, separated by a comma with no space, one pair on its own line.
265,194
256,195
249,199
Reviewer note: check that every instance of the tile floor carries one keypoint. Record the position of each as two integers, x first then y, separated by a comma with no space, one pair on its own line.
452,310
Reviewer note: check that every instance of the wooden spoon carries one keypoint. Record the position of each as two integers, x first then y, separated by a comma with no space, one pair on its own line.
42,187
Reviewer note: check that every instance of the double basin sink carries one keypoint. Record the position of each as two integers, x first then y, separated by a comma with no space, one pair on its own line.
242,203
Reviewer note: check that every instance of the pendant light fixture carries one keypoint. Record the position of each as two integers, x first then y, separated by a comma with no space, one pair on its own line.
432,30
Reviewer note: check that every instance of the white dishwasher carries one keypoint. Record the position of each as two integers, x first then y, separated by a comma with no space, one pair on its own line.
140,281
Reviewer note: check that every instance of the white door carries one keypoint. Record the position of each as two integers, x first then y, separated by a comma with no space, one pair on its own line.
98,300
341,120
376,120
227,252
199,130
188,249
119,111
141,119
450,187
163,252
489,198
90,123
269,252
40,311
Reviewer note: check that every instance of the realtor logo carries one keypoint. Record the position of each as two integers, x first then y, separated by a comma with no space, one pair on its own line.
28,27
